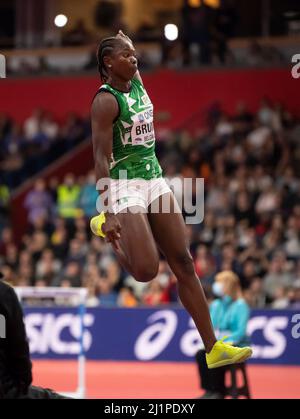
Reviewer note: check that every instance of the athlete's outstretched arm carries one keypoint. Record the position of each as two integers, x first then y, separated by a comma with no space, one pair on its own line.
138,77
104,111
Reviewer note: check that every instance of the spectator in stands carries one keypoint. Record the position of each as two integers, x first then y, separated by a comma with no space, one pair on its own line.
108,297
32,125
208,228
248,272
52,188
26,276
258,138
11,167
243,209
204,264
7,238
224,127
59,239
11,257
127,298
268,202
68,195
91,283
47,267
13,141
292,243
278,275
265,113
49,127
39,203
295,296
230,314
25,271
139,288
71,132
36,244
4,205
89,196
227,257
25,258
5,126
71,275
113,274
281,298
155,294
77,252
218,198
254,294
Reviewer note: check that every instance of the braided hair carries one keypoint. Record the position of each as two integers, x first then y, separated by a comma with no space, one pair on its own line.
105,48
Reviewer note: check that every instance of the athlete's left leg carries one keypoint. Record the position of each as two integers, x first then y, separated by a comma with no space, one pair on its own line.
170,234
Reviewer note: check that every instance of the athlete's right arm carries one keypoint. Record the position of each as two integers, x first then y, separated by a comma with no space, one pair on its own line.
104,111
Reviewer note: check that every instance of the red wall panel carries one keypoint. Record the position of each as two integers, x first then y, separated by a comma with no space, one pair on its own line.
179,93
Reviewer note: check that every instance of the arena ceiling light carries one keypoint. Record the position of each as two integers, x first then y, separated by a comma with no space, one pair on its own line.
171,32
60,21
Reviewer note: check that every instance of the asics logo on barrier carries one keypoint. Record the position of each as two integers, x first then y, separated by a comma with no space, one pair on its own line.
156,337
296,328
47,333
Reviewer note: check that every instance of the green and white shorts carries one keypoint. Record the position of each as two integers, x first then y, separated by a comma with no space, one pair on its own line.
128,193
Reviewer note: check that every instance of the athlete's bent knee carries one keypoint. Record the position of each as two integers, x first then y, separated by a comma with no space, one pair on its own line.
183,265
146,273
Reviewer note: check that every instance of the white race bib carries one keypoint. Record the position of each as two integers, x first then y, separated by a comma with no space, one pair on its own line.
142,132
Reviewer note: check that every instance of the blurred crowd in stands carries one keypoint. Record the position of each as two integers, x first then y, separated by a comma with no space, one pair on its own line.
27,149
250,163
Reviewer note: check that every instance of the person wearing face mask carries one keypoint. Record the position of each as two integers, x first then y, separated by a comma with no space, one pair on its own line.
230,314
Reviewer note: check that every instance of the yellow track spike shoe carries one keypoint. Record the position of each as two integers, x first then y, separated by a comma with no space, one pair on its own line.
96,224
224,354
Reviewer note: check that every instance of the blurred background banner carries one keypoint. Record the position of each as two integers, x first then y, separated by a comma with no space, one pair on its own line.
152,335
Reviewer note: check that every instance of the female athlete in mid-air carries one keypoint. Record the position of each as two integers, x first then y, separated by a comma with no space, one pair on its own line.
124,142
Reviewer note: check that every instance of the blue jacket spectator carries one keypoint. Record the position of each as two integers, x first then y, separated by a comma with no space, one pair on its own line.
230,314
88,197
230,318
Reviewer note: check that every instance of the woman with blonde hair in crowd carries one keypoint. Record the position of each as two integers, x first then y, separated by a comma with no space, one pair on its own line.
230,314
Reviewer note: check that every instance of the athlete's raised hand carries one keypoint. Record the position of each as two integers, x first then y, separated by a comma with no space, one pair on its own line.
121,35
112,229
